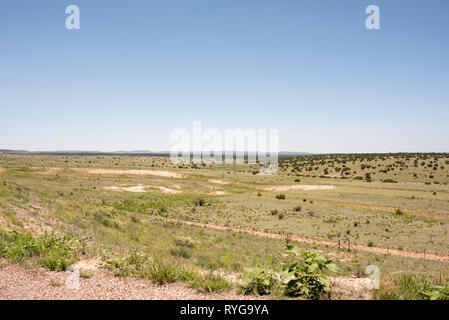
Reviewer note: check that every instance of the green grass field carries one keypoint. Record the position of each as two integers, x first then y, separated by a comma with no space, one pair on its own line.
389,210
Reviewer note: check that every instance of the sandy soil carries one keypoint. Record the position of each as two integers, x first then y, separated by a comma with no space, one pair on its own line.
138,188
167,174
302,187
18,282
218,193
219,181
168,190
141,188
351,288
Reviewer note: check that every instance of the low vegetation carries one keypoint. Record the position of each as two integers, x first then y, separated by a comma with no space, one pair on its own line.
412,287
215,221
51,251
304,277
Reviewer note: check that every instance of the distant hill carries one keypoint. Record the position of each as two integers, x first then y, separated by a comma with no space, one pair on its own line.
131,152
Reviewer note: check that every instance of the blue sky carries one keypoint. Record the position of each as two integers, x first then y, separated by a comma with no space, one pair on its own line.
136,70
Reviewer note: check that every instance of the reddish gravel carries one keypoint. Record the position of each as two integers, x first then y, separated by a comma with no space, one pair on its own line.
20,283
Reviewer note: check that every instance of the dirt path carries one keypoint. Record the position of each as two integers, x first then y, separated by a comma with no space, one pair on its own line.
405,252
18,282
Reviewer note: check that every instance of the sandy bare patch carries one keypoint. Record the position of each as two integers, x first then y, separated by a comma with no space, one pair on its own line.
167,190
167,174
301,187
88,264
142,188
219,181
351,288
138,188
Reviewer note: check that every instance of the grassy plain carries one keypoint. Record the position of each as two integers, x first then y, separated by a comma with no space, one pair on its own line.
389,210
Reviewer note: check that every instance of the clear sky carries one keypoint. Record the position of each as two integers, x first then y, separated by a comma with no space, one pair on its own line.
136,70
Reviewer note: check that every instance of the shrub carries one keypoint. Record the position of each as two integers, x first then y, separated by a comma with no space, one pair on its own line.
184,242
180,252
258,281
52,251
133,264
297,208
409,287
389,181
306,276
280,196
161,272
398,212
210,283
200,202
370,244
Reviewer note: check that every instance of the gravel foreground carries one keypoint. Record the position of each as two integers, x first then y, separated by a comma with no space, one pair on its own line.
21,283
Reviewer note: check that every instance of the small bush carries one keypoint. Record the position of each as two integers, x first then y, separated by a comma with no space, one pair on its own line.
258,281
133,264
306,276
161,272
200,202
280,196
409,287
54,252
184,242
210,283
297,208
180,252
389,181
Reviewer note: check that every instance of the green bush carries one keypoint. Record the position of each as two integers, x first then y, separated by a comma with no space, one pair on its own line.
306,276
258,281
52,251
133,264
409,287
209,283
180,252
280,196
